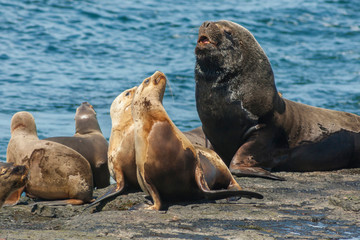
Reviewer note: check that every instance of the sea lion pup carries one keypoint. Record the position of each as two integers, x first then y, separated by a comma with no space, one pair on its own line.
12,178
168,168
89,142
55,170
250,125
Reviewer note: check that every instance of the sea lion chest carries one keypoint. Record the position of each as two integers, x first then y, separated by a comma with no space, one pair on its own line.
168,163
224,120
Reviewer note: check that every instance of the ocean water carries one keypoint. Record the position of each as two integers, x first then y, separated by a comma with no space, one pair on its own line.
56,54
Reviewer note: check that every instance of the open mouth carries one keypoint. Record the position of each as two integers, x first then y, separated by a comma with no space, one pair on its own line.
204,40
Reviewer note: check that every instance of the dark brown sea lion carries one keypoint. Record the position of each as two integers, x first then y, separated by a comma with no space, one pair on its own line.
250,125
55,170
12,178
89,142
168,167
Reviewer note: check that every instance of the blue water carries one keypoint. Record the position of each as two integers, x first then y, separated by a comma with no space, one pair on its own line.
56,54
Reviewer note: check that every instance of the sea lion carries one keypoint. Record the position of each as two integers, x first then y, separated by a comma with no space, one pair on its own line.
168,168
250,125
55,170
12,178
121,152
89,142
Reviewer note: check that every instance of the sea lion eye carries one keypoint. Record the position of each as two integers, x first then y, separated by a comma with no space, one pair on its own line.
127,94
147,81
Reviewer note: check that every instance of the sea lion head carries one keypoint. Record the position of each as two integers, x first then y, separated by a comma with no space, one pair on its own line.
229,59
24,122
151,92
121,106
85,119
14,176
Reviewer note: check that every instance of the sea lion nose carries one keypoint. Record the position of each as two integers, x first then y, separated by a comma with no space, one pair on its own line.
206,24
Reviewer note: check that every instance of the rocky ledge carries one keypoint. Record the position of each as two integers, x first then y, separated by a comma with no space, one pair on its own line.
320,205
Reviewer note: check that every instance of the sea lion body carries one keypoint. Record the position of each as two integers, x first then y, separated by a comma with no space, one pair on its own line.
168,167
12,178
55,170
90,143
249,124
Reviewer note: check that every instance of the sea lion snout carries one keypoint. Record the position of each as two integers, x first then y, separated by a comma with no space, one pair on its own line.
210,34
85,107
158,77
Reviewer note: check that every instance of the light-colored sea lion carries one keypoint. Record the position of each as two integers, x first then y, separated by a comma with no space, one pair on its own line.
168,168
121,152
89,142
55,170
12,178
250,125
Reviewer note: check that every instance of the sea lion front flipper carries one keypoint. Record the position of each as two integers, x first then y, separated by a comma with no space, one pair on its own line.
14,197
151,190
254,172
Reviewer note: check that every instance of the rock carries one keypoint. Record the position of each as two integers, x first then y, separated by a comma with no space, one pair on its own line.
306,206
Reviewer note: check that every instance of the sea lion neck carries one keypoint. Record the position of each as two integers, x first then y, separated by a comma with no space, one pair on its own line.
86,124
85,119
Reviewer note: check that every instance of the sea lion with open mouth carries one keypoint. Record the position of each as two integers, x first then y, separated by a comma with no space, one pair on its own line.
250,125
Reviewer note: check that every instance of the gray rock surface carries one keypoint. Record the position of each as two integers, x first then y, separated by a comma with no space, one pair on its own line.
317,205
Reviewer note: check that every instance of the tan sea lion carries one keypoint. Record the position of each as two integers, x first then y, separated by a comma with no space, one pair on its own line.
168,168
12,178
55,170
89,142
248,122
121,152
